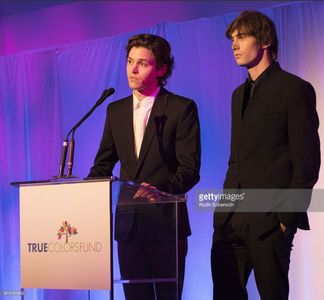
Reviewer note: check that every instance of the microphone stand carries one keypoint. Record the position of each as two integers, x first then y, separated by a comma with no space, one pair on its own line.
71,144
70,156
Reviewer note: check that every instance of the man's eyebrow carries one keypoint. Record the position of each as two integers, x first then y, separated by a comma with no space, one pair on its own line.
140,59
239,35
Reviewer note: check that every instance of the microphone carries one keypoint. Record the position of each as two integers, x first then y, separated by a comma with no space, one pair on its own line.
71,145
104,96
63,158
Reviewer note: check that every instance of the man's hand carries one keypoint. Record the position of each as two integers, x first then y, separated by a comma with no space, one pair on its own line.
283,227
146,193
285,230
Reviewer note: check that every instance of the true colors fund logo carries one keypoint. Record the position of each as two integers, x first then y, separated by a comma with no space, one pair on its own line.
65,232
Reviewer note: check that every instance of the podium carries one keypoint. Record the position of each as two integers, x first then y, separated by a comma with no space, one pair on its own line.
68,232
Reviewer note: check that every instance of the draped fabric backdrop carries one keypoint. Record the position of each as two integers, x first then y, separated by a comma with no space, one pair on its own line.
43,93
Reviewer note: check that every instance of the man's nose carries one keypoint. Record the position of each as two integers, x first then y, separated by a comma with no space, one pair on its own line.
235,45
135,68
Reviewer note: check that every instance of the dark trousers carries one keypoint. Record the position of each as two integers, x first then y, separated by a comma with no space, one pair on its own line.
235,252
148,260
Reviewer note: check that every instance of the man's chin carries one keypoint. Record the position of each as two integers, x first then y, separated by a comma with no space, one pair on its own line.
134,87
241,64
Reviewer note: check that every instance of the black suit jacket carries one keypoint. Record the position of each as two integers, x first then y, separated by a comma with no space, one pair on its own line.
169,160
275,145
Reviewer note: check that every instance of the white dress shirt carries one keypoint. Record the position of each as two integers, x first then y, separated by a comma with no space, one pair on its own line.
141,113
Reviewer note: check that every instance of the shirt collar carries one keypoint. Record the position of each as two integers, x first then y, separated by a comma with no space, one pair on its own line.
147,101
263,75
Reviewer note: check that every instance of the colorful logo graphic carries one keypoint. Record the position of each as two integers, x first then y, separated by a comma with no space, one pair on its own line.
67,230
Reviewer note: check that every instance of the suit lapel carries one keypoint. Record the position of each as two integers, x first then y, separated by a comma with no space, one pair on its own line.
128,131
256,98
244,98
158,111
237,107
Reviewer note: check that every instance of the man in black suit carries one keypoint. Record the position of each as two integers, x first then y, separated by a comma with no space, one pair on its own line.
156,137
274,145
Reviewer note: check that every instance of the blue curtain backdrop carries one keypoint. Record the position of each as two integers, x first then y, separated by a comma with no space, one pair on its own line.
43,93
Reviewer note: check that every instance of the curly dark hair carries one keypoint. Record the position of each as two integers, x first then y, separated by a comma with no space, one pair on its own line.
160,48
259,26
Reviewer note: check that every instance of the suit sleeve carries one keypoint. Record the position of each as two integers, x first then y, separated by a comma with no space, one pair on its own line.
187,151
106,156
304,147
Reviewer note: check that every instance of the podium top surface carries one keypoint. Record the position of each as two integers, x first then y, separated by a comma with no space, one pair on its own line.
123,187
60,181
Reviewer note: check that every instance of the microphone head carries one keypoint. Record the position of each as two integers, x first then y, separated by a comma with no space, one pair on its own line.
105,94
108,92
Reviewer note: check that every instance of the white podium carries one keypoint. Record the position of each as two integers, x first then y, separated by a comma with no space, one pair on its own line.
65,235
67,228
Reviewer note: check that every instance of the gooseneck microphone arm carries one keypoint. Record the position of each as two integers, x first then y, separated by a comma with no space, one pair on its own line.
70,145
63,158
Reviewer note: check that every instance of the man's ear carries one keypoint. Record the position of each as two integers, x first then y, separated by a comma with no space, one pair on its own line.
265,46
162,70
